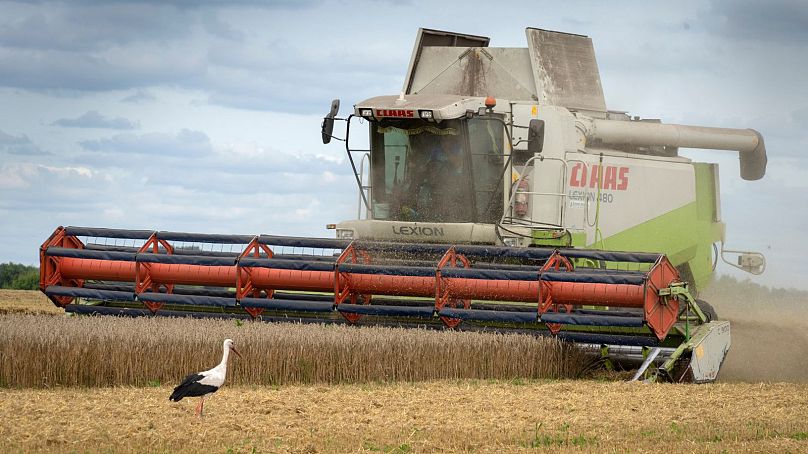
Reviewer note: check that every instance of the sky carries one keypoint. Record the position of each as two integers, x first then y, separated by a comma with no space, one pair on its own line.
204,116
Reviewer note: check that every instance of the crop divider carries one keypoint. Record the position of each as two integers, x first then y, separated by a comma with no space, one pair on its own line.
143,279
245,287
342,281
443,291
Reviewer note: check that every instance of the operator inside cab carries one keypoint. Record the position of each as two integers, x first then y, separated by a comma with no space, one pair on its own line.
433,189
422,172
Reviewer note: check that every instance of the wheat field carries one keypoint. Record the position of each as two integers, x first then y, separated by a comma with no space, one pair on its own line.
46,351
93,384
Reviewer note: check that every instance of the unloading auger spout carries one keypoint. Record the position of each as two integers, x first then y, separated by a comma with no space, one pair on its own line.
747,142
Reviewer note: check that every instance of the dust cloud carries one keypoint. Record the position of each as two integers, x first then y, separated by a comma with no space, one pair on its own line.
769,331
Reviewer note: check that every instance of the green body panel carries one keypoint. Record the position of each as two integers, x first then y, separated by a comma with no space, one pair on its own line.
557,238
686,235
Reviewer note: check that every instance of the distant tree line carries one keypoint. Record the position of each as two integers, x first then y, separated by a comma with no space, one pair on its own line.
19,276
746,289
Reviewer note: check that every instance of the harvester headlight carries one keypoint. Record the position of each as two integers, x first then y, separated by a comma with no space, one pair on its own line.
345,234
425,114
367,113
510,241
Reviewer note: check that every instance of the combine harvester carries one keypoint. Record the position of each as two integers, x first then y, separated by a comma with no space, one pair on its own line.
496,194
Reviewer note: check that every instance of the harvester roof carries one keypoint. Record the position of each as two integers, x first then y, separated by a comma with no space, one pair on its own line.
440,106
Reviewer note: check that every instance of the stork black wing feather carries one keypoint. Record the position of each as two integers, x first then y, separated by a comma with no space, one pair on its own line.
191,379
182,389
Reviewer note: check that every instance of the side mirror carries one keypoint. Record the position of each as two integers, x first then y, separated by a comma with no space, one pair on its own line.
751,262
328,121
535,136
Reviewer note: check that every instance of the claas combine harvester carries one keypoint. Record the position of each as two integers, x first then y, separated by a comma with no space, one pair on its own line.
497,193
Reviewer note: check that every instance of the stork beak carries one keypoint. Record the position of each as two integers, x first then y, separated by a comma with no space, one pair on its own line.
235,351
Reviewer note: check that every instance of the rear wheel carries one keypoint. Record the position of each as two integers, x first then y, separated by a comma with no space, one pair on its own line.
686,275
707,309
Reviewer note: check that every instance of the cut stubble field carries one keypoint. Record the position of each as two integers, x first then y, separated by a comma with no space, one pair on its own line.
459,409
447,416
26,302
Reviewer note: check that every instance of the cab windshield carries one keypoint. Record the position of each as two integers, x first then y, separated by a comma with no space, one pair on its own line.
447,172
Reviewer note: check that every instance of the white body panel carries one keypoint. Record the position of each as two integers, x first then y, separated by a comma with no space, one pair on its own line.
429,232
564,181
632,191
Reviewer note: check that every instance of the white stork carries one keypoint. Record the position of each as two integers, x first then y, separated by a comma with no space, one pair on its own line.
201,384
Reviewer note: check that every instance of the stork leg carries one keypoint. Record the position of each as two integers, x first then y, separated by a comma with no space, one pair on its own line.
200,405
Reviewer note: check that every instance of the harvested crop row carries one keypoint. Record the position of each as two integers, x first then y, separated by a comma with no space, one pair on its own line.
41,351
442,416
26,302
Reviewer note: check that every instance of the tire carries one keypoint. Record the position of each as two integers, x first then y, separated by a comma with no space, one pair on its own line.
707,309
686,275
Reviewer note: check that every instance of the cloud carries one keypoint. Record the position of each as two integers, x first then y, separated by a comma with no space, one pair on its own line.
782,21
800,116
788,178
219,51
140,95
186,143
113,69
200,4
216,26
89,27
93,119
285,76
37,198
19,145
28,176
236,169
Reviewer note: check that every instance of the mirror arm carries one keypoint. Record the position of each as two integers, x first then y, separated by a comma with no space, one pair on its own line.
331,135
353,165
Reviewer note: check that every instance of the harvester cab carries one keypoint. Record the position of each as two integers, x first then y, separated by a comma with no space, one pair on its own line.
497,193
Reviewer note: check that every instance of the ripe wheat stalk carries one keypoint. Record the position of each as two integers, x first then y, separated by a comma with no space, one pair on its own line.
43,351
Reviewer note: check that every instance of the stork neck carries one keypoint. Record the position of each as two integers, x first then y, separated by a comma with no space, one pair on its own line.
225,355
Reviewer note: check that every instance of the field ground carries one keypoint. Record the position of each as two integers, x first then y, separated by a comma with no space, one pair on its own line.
26,302
448,416
445,415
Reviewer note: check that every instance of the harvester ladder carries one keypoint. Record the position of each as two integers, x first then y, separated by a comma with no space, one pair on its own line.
364,185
